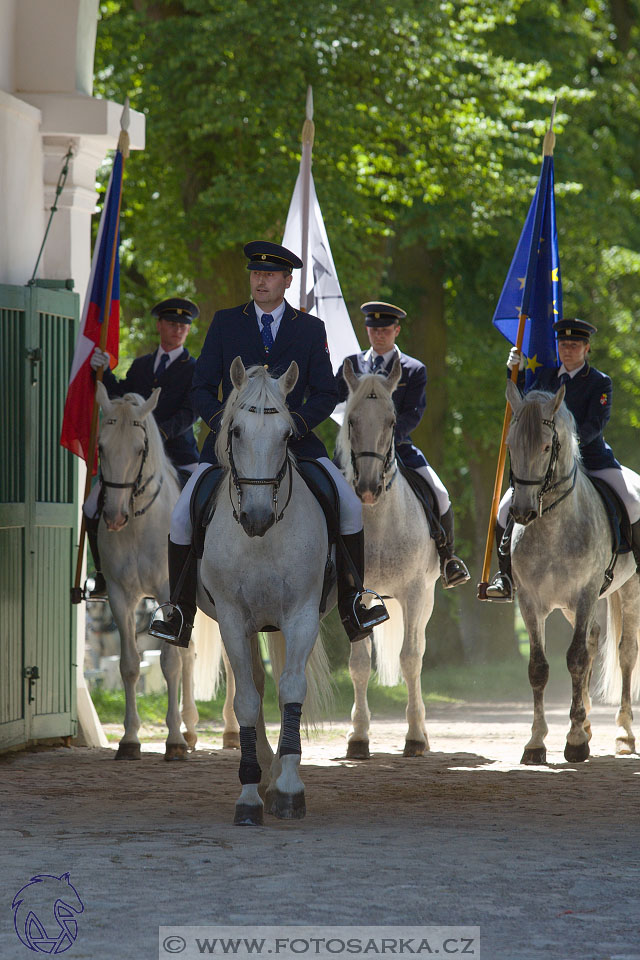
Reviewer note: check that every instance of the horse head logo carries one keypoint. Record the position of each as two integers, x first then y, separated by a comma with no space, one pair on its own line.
44,913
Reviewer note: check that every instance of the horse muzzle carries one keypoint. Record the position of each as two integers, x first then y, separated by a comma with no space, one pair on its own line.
369,495
256,526
524,517
117,523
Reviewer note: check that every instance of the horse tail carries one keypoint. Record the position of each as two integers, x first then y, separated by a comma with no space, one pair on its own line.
208,668
319,698
387,639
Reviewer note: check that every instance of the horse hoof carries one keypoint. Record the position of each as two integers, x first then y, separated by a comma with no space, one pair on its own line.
128,751
248,815
358,750
576,752
534,756
625,746
175,751
286,806
414,748
231,741
191,738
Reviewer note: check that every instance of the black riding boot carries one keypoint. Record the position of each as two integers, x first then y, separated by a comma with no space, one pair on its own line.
452,569
501,587
357,620
99,591
176,629
635,542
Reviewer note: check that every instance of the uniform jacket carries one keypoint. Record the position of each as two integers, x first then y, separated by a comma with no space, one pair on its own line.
301,337
409,398
175,413
588,397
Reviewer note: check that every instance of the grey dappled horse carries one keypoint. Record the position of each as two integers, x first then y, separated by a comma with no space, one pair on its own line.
401,560
560,549
140,488
263,565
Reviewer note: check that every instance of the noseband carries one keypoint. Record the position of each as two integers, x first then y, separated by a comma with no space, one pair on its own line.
238,481
545,483
137,486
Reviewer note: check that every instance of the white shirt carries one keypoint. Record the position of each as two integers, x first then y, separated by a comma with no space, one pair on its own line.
570,373
370,356
277,317
172,354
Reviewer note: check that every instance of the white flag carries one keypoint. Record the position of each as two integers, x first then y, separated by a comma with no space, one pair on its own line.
318,277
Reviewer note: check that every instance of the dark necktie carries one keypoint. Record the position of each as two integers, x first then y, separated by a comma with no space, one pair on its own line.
162,366
564,378
377,363
267,336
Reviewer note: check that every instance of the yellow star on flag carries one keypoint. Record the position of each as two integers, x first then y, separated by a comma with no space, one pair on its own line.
532,363
521,281
554,275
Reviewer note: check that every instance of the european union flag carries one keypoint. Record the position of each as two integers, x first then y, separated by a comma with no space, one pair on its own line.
533,286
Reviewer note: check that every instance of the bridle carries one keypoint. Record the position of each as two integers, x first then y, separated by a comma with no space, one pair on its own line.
239,481
545,483
387,458
137,486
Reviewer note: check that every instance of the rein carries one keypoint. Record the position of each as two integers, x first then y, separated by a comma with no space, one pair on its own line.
238,481
137,486
545,483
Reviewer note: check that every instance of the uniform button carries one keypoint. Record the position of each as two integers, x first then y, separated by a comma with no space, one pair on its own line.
266,366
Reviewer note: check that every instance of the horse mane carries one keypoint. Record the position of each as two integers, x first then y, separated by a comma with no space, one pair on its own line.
125,410
368,386
530,419
261,393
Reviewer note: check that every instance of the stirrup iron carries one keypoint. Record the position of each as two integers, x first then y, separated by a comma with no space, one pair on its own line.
368,623
155,627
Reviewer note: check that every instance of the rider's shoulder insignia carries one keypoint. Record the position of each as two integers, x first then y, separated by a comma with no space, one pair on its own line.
603,399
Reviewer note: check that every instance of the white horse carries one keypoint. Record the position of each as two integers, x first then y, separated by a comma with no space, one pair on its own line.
140,488
263,566
401,557
560,548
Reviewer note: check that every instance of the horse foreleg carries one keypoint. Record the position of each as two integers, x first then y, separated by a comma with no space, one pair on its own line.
592,649
627,657
360,670
231,729
123,609
265,753
171,664
416,613
189,709
579,660
535,751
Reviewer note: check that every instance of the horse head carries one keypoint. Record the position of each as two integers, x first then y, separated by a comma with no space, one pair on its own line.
252,442
366,438
124,448
542,447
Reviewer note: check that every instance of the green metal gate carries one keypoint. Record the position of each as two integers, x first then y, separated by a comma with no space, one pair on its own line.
38,515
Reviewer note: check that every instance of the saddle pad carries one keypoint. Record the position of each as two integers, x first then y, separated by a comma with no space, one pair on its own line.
426,496
321,484
202,505
617,514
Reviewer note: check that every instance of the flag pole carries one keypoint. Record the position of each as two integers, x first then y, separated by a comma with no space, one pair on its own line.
123,147
547,151
308,134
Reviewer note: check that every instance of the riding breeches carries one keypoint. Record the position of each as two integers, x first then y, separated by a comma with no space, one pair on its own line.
625,482
428,473
350,506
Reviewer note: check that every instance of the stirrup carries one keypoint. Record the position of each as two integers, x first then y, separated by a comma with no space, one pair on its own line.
374,619
88,595
458,576
504,597
161,629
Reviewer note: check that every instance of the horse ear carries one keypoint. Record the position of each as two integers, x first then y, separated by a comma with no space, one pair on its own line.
513,396
103,397
289,378
150,404
557,400
350,377
238,373
394,376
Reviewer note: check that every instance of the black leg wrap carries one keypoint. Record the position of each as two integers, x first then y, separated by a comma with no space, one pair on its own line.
290,740
250,771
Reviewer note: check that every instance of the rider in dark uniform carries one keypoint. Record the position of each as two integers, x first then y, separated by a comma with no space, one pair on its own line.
268,331
588,397
170,367
383,326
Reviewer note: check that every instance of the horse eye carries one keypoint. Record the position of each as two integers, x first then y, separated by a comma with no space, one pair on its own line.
236,432
547,447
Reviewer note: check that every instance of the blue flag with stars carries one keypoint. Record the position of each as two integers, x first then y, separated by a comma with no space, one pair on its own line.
533,285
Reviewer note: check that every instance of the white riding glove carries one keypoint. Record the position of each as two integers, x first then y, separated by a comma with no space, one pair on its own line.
515,359
99,359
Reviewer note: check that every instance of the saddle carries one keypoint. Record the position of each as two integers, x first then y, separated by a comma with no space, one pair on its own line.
317,479
427,498
617,515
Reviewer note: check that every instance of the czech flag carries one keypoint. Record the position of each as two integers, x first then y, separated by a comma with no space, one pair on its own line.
99,302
